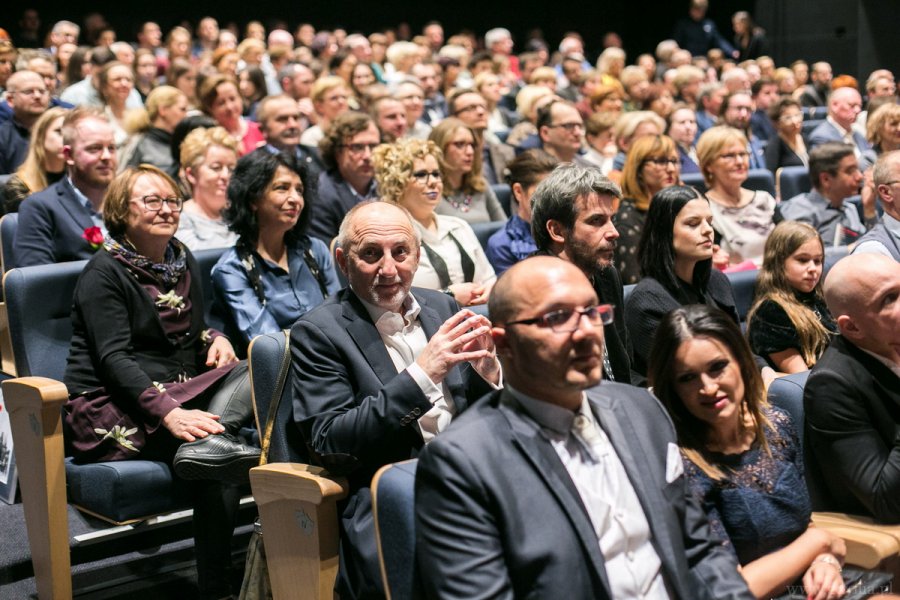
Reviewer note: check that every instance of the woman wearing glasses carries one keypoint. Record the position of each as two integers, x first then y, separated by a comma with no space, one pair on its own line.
451,258
788,149
743,218
651,164
276,271
153,381
467,194
208,157
676,255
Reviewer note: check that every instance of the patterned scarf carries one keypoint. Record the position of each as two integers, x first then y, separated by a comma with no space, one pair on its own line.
167,272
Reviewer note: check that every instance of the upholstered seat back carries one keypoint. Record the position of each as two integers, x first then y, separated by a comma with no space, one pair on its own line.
394,500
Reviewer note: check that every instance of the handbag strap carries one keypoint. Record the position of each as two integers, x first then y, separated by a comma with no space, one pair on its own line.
276,400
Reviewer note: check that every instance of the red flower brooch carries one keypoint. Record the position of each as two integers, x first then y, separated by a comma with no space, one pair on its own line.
94,237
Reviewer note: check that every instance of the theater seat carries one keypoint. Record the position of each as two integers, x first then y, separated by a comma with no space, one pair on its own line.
504,195
869,545
484,231
8,225
394,506
792,181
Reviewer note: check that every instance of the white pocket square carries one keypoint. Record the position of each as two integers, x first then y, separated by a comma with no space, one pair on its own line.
674,468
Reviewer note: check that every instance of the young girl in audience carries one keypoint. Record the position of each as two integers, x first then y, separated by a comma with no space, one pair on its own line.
789,324
675,255
742,458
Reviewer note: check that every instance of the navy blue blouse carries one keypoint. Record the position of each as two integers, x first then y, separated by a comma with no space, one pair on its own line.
762,504
510,244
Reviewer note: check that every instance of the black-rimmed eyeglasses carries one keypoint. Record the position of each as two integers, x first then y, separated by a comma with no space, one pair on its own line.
566,320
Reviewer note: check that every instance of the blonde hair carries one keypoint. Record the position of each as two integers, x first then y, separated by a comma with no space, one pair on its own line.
772,284
542,74
711,144
323,85
629,122
250,44
118,195
472,182
197,142
889,113
32,172
606,58
394,164
141,120
528,96
648,146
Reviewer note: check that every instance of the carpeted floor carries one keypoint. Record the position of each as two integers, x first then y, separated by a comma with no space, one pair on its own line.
162,568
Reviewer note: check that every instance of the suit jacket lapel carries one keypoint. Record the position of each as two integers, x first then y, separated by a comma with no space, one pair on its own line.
646,476
538,451
68,199
366,336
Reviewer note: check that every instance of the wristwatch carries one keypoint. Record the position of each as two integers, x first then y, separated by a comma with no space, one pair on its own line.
449,292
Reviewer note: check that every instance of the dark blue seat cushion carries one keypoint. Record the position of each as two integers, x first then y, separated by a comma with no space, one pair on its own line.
125,490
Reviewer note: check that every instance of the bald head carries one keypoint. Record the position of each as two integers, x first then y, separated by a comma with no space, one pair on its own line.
519,284
863,295
386,212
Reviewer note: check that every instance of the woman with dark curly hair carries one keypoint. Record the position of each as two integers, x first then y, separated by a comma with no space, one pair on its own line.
276,271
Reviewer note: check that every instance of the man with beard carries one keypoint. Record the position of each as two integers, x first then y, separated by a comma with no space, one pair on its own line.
60,223
571,217
379,370
279,120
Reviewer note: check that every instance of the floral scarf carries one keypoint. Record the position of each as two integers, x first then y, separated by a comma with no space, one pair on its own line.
167,272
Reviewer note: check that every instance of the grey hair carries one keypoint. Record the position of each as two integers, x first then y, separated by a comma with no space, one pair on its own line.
882,172
495,35
555,198
345,231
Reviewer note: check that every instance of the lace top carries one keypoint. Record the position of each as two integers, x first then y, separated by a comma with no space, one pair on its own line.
762,503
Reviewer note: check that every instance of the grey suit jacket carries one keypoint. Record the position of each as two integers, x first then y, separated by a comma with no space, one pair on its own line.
826,132
51,227
497,515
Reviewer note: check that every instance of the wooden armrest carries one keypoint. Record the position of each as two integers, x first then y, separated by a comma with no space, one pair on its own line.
857,521
34,405
298,510
868,546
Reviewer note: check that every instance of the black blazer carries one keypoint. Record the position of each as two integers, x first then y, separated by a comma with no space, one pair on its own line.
357,414
498,516
852,406
333,202
650,301
779,154
51,227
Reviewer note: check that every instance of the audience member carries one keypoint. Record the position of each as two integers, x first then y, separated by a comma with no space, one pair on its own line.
279,121
844,105
884,238
389,115
765,94
471,108
676,258
220,99
571,218
555,432
514,241
379,369
683,131
410,93
275,272
632,126
789,324
742,458
883,132
27,94
208,158
62,222
466,194
561,128
329,97
736,112
161,384
710,104
408,174
852,429
651,165
349,177
742,218
816,92
151,129
697,34
749,40
788,148
834,174
87,91
44,164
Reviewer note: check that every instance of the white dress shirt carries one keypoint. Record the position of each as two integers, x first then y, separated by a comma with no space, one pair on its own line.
633,567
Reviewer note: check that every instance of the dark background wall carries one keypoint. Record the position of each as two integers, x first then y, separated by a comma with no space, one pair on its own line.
855,35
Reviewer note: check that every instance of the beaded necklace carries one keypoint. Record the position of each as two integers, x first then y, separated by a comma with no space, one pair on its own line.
461,206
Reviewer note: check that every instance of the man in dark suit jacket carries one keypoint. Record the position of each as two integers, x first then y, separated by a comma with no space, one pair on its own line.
557,485
346,151
844,105
852,396
379,370
54,224
586,237
27,96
